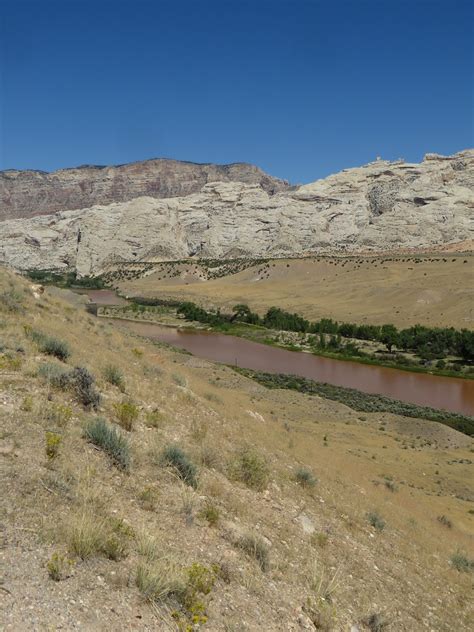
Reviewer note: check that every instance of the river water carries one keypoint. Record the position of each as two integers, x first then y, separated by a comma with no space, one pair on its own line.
454,394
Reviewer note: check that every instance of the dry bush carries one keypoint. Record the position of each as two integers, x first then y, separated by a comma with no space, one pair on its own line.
255,547
162,579
250,468
127,414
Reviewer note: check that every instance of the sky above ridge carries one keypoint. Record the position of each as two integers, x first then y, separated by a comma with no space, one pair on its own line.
302,88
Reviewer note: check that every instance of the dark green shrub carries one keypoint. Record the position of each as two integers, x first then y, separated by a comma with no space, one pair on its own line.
376,622
305,477
187,471
376,521
462,563
106,437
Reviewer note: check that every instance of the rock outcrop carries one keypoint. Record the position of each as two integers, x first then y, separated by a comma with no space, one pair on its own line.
30,193
381,206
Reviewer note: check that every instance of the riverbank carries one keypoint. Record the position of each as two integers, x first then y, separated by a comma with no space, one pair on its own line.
451,394
363,402
165,315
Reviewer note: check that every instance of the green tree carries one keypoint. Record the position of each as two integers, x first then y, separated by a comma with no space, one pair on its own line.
389,336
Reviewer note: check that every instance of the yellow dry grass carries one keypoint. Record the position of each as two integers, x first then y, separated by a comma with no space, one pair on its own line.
402,572
437,291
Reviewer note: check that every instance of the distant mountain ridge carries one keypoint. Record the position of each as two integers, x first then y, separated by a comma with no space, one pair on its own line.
238,211
27,193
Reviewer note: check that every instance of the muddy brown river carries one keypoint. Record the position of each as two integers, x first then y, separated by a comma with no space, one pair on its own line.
454,394
419,388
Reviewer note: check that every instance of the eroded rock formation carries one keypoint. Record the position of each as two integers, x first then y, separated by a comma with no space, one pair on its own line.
381,206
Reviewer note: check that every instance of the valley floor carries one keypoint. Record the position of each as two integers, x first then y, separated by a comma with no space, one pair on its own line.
434,290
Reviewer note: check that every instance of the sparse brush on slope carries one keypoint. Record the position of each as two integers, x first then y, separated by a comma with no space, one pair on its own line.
106,437
50,345
114,376
256,547
187,471
78,380
305,477
250,468
364,402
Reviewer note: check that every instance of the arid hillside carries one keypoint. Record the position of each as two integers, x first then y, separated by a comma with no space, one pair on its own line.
435,290
202,500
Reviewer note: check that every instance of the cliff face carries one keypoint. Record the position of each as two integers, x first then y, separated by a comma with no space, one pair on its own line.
30,193
379,207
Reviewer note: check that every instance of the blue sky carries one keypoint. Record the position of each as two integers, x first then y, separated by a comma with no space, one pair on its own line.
301,88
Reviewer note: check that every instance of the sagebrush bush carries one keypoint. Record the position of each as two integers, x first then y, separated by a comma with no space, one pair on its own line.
255,546
180,380
250,468
376,521
114,376
127,414
50,345
461,562
305,477
52,373
173,455
376,622
106,437
83,384
11,301
79,380
57,348
389,484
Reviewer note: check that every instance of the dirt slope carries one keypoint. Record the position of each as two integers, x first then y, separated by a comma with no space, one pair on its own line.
328,568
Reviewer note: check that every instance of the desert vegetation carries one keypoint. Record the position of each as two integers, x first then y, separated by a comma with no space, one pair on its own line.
149,490
428,343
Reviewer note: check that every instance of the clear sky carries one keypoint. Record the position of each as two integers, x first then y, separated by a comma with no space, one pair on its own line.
301,88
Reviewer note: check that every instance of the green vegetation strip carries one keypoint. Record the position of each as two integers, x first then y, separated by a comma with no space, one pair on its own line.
65,279
357,400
